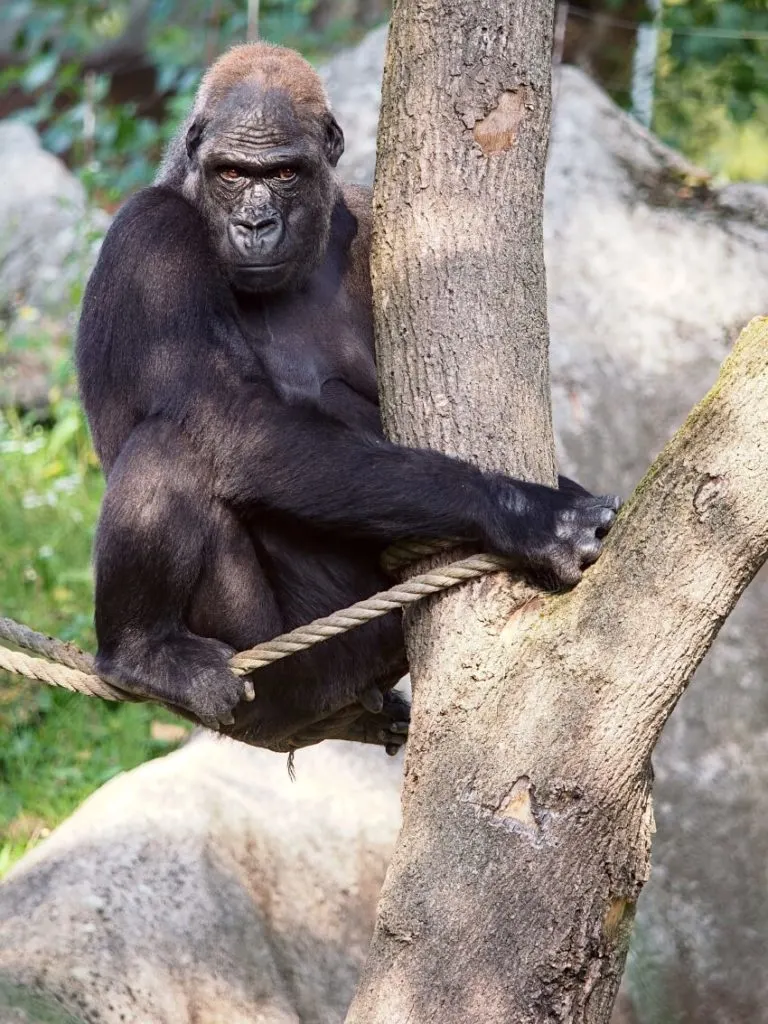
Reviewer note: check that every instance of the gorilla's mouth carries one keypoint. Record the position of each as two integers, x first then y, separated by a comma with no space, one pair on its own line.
261,266
261,276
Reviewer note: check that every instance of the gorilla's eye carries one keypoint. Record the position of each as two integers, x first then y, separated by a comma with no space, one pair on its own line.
230,174
285,174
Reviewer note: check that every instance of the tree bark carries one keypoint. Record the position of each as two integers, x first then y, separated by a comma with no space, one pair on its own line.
527,812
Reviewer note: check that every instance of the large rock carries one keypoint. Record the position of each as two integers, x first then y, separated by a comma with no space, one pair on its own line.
48,241
44,227
206,887
651,277
353,81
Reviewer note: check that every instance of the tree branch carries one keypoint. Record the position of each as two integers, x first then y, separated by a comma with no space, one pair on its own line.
527,826
685,547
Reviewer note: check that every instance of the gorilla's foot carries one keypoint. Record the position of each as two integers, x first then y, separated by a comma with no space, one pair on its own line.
188,672
387,728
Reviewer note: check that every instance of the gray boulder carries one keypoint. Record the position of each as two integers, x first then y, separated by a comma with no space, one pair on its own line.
206,887
651,277
44,227
353,81
48,241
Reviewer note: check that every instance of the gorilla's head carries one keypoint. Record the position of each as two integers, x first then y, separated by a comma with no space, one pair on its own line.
258,157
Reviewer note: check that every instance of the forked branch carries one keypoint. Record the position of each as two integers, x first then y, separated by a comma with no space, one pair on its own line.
527,816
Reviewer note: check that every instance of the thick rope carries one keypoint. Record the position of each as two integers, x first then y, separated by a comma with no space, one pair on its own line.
58,675
380,604
74,669
48,646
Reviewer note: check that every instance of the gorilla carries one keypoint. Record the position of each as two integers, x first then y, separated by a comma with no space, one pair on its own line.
226,364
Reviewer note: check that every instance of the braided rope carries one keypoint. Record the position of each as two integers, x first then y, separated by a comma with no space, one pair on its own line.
69,667
58,675
48,646
413,549
399,596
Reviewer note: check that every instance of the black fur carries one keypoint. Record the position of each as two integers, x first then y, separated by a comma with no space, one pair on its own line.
226,365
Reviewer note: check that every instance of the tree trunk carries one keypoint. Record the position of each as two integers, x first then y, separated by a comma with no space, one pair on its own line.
527,814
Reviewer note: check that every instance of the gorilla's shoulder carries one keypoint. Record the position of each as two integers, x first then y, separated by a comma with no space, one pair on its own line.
159,215
358,199
157,224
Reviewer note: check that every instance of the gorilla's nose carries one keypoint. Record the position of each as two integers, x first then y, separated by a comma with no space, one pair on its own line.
257,234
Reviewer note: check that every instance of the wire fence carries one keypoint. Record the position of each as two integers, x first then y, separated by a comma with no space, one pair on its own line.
586,14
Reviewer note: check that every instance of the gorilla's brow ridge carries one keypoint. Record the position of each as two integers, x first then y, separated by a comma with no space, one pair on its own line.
260,163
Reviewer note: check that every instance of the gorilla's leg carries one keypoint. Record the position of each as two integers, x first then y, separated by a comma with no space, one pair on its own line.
387,726
175,569
157,529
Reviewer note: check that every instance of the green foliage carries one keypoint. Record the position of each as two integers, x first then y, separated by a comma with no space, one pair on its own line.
115,146
712,89
57,747
710,96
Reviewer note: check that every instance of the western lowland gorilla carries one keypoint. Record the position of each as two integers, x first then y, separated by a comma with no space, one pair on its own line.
226,364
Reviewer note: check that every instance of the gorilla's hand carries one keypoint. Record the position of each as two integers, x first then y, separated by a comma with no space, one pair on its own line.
186,672
553,534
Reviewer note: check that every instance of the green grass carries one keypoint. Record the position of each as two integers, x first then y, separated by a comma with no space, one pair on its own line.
55,747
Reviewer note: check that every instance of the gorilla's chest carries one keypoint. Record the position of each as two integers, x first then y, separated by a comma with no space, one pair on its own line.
318,350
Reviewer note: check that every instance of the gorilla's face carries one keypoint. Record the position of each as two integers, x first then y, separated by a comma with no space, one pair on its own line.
262,177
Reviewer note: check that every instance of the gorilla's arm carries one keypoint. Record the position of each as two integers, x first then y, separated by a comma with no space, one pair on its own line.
294,460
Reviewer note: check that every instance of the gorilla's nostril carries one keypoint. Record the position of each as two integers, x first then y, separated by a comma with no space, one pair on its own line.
256,233
264,230
244,235
265,225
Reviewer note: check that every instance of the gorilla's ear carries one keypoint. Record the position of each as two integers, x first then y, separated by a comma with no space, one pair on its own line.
194,136
334,140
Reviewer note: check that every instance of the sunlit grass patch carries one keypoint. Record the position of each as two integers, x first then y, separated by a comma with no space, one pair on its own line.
55,747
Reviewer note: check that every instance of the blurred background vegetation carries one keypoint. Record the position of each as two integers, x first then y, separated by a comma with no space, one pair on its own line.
138,62
105,82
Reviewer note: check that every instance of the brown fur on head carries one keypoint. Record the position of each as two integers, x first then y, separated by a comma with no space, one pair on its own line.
269,66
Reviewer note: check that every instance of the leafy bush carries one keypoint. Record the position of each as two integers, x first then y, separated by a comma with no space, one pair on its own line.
57,747
115,146
712,89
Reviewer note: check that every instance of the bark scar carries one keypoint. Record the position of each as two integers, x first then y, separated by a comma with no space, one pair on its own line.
517,811
617,918
519,805
521,615
497,131
707,495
